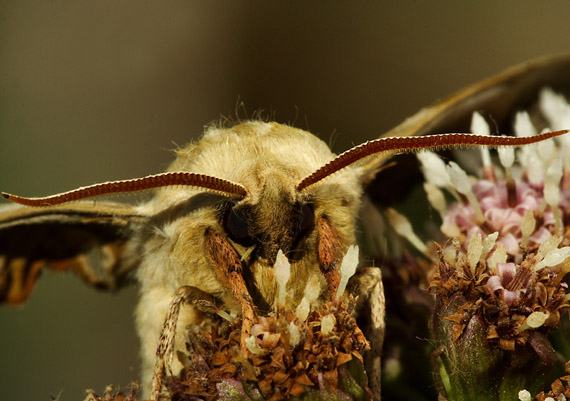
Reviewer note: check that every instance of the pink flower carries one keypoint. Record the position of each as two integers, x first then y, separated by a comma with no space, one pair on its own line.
506,272
509,282
499,216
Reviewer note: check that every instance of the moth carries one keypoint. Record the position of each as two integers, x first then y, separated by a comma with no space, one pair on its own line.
228,204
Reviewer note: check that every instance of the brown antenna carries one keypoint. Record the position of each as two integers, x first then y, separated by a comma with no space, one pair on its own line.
134,185
406,144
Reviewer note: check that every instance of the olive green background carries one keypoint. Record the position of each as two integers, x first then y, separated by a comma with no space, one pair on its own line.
100,90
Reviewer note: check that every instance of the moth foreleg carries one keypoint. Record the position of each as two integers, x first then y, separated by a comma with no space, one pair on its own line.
228,268
367,285
193,296
330,250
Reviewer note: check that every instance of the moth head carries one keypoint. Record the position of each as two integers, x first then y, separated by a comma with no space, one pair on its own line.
273,223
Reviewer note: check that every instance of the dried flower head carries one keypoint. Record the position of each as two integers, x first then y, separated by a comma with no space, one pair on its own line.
510,298
279,366
315,350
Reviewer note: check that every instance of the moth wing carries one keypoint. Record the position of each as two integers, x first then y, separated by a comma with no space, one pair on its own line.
87,238
499,96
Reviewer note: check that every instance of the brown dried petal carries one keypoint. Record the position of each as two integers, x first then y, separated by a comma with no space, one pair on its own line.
457,331
346,344
277,360
457,318
270,340
357,355
557,387
342,358
228,369
304,380
492,333
541,293
280,377
507,345
218,360
296,390
277,396
257,360
265,386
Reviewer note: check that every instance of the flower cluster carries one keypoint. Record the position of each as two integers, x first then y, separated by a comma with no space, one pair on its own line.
290,358
310,352
511,299
525,205
498,279
510,233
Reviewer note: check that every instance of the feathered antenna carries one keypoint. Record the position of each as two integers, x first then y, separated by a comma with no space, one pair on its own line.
409,144
138,184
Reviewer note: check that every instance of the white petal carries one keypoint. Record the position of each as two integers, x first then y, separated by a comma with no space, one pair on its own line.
404,228
282,272
546,149
528,225
536,319
499,255
523,125
450,229
312,292
459,178
554,258
534,169
506,156
548,246
474,251
347,268
303,309
480,127
327,323
489,243
313,289
294,334
555,107
551,194
524,395
554,172
435,198
253,346
433,168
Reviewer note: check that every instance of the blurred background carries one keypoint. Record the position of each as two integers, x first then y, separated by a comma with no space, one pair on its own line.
101,90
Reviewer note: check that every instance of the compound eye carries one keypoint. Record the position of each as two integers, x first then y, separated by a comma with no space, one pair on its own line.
307,221
236,225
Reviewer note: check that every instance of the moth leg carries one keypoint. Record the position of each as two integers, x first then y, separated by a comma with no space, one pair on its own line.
228,268
367,285
193,296
330,250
